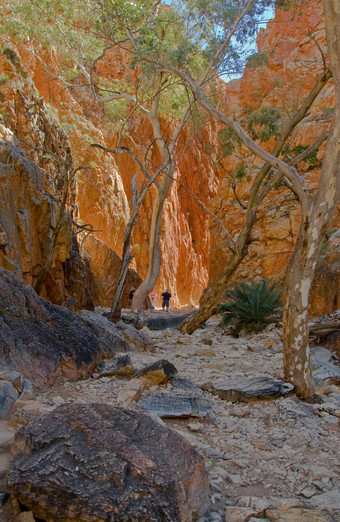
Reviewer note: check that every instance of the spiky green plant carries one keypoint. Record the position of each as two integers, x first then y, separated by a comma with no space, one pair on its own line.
252,307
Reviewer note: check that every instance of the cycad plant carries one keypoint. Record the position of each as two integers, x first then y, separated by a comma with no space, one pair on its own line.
252,307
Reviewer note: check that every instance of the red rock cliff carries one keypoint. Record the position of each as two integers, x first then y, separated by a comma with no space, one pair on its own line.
45,111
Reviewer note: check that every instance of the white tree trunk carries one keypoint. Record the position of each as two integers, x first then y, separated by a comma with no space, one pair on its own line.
154,255
317,216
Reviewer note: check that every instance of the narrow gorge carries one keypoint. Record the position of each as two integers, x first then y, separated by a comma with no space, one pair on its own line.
233,112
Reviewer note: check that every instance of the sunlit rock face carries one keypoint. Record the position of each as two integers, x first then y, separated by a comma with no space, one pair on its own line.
43,111
283,72
101,192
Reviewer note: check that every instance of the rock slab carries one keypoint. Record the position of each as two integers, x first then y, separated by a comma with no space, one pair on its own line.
166,404
247,388
98,462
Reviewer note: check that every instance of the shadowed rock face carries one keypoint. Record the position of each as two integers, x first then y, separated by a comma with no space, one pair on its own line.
97,462
45,342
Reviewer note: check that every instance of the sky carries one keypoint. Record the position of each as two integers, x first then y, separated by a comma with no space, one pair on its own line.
267,15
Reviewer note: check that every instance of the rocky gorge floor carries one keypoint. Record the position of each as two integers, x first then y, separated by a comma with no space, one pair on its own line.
274,459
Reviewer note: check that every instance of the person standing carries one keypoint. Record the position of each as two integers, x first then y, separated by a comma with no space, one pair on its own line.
153,300
132,291
166,299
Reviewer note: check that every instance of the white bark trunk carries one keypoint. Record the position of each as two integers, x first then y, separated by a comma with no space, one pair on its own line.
317,217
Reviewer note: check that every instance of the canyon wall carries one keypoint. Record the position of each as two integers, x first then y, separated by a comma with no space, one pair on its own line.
51,119
283,71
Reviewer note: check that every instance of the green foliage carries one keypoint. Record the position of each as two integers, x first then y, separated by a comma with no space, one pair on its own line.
3,78
241,171
252,307
329,111
10,54
228,141
209,23
263,124
285,5
258,59
311,161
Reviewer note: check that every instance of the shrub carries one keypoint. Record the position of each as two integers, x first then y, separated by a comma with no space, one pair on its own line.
252,307
264,124
258,59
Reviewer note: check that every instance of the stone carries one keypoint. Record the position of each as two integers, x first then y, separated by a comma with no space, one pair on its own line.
120,366
15,378
25,516
320,353
27,392
4,496
132,391
157,373
139,340
239,514
251,388
181,383
28,212
45,342
8,395
99,462
105,265
164,321
165,404
302,513
325,372
295,413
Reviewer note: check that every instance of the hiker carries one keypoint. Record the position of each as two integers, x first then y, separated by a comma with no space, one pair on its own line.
166,299
153,300
132,291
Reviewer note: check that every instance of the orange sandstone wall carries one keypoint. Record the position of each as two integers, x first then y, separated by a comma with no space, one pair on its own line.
42,110
294,64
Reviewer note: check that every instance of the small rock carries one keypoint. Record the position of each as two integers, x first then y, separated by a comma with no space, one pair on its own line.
4,496
166,404
15,378
131,392
8,395
308,492
120,366
181,383
27,392
25,516
157,373
238,514
58,400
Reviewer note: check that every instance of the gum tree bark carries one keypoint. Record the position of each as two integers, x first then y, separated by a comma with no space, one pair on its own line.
317,215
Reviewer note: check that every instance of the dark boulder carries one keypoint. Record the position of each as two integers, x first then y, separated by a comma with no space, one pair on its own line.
97,462
48,343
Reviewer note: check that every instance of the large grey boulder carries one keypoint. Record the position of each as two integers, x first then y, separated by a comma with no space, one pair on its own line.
97,462
45,342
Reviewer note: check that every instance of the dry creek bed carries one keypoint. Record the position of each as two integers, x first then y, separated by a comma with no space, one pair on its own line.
256,452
